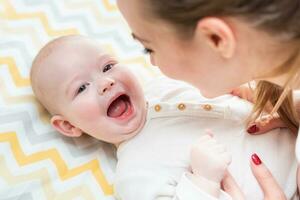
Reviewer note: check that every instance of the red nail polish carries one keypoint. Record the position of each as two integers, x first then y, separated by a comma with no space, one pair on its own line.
253,129
256,160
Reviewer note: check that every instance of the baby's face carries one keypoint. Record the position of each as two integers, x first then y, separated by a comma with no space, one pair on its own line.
94,93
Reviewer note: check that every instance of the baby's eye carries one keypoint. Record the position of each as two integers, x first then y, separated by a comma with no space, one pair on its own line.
147,51
107,67
82,88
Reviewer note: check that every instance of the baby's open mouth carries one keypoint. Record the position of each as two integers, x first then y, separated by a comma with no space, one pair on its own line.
120,108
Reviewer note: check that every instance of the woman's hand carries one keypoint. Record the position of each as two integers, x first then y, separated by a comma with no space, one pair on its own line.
259,126
268,184
244,92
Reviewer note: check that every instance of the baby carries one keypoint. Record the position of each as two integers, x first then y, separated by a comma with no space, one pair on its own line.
163,151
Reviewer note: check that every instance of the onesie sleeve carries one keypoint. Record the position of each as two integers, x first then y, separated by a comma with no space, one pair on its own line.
151,186
187,190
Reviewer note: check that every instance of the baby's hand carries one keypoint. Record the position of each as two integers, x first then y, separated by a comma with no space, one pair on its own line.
209,159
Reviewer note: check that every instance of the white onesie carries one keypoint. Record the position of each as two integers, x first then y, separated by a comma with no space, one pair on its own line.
153,164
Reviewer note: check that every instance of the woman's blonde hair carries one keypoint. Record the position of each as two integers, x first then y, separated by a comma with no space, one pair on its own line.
279,100
277,17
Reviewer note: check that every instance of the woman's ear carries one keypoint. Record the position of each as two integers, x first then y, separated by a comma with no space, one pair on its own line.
64,126
218,34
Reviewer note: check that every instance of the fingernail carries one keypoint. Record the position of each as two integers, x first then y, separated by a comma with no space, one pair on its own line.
253,129
256,160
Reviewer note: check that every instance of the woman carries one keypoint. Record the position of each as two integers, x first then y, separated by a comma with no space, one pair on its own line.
220,45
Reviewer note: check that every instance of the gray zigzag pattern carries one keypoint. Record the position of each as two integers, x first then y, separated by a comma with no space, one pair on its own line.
86,24
25,196
20,47
34,138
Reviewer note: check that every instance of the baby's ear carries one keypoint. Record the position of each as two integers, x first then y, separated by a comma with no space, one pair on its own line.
64,126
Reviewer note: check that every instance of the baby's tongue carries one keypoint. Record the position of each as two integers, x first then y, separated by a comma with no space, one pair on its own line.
117,108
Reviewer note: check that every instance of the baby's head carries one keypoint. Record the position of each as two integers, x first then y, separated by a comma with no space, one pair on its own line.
87,91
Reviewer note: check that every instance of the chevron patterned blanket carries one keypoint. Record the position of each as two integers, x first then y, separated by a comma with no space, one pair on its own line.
35,161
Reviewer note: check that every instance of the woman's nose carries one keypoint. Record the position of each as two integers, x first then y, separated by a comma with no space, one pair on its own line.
105,85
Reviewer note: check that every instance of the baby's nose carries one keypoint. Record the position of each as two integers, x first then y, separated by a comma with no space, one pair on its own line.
106,85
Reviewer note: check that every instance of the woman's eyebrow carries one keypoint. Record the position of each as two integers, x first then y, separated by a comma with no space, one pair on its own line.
139,38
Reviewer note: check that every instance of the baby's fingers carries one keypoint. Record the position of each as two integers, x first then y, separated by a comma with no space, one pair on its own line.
218,148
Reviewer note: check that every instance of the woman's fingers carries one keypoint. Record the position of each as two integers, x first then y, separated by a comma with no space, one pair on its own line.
230,187
260,127
268,184
244,92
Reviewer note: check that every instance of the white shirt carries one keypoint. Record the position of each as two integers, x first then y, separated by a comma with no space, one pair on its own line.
296,95
298,147
152,165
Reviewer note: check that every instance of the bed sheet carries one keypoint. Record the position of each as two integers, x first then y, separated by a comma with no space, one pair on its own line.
35,161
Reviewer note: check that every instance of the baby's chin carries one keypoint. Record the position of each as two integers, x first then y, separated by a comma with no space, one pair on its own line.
123,138
133,128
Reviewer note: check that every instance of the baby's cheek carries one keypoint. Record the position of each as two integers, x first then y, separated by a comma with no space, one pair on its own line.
89,119
88,111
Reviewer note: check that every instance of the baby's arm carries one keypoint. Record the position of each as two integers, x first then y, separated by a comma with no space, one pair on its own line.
209,162
155,186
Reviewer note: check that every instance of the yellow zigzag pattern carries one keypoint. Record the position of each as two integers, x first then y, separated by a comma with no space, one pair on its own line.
17,78
11,14
93,8
109,6
43,176
21,99
54,156
7,15
27,30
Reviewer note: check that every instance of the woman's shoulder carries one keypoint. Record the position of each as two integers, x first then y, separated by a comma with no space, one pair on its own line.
162,88
298,147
